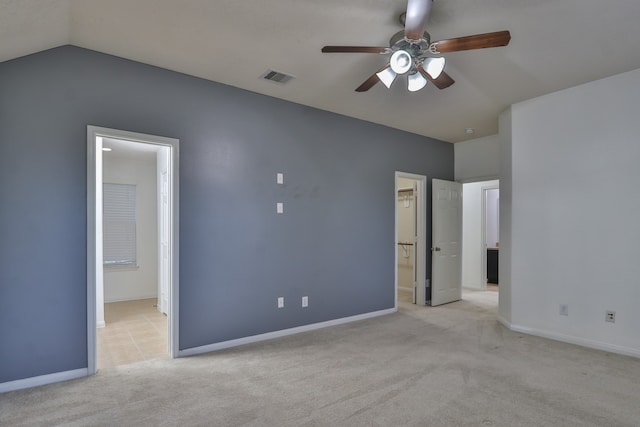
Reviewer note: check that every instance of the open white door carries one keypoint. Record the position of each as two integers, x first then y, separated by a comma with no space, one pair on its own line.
446,253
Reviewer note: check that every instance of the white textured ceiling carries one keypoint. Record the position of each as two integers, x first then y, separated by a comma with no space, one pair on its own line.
555,44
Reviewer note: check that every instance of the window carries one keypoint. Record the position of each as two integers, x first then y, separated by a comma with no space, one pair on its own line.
119,224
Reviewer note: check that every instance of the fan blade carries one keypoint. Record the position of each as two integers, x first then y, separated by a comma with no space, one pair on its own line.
416,20
355,49
371,81
443,81
478,41
368,84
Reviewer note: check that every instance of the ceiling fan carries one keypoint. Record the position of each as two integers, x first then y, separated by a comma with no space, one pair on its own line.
413,53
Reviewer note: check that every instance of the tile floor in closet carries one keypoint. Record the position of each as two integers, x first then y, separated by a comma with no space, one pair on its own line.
135,331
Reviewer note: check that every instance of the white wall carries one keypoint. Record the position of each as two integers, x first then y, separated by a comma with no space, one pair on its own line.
506,189
406,220
574,206
141,282
477,159
492,238
473,272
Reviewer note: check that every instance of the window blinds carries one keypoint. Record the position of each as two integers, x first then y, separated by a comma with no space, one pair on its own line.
119,224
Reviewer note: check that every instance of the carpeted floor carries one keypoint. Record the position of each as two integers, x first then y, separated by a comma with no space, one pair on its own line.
453,365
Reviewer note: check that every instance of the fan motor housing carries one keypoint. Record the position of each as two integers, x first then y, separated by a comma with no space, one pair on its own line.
398,41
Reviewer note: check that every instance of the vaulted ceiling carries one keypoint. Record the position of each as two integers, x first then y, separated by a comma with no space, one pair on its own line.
555,44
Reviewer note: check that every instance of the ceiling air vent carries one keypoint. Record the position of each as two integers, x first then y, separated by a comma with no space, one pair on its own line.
277,77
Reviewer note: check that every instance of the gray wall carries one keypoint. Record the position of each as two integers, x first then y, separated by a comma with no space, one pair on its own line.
334,242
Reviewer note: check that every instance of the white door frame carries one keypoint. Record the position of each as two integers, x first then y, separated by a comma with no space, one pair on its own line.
483,244
94,231
421,245
164,230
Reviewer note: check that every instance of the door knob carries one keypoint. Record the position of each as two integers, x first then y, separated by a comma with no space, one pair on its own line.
436,249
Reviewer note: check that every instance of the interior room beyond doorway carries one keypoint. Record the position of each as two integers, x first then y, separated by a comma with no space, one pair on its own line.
135,232
406,212
480,240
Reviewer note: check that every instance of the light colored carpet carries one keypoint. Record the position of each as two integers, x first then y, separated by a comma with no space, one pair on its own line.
452,365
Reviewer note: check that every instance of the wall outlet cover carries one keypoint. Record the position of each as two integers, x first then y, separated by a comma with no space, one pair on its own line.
610,317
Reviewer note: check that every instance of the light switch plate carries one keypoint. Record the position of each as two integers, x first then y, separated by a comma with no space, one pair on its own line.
305,301
280,178
280,302
279,207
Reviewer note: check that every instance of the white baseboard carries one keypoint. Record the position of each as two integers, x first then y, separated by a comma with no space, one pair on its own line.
583,342
136,298
42,380
283,333
504,322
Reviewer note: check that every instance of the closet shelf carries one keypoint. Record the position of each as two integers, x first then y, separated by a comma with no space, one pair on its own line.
405,244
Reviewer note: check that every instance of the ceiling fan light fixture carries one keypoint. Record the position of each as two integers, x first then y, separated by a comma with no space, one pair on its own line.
434,66
400,62
387,76
416,82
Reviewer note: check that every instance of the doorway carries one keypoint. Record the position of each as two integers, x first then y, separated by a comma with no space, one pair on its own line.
491,235
480,233
410,238
132,258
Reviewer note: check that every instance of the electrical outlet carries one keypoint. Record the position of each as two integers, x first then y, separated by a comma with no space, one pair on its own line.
305,301
279,207
280,178
610,317
564,309
280,302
